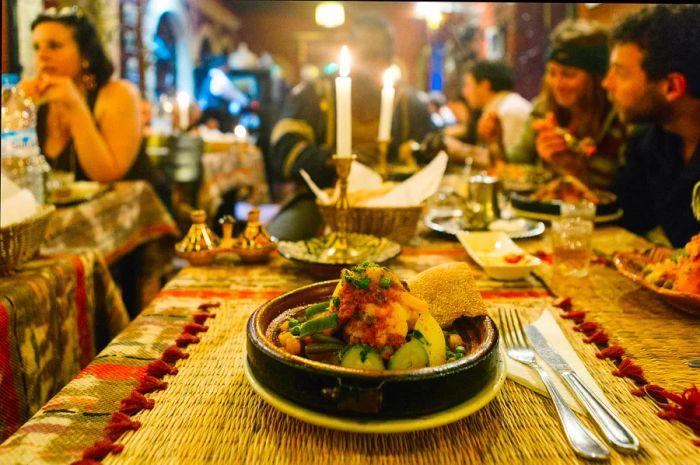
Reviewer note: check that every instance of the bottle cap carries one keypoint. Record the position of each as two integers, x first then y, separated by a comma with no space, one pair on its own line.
10,79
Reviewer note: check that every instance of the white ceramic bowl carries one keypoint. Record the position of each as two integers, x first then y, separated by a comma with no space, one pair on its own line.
498,255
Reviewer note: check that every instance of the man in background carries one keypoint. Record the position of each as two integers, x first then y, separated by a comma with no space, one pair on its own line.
654,81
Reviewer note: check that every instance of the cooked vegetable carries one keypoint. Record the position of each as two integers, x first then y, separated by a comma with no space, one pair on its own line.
318,324
315,309
413,354
318,347
362,357
433,338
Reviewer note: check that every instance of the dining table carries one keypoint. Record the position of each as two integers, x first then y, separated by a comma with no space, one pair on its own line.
230,166
114,222
56,313
172,388
129,226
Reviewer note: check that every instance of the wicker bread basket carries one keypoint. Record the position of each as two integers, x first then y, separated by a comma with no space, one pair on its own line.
396,223
20,241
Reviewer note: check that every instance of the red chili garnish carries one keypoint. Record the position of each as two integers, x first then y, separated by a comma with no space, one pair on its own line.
135,403
563,302
576,315
172,354
150,384
586,328
186,339
158,368
628,369
120,424
194,328
611,352
100,450
544,256
598,337
600,261
202,317
513,258
207,305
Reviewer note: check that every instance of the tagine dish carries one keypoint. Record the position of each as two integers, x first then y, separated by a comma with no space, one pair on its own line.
365,346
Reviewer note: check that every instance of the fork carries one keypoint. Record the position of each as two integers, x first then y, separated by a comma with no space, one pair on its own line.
581,439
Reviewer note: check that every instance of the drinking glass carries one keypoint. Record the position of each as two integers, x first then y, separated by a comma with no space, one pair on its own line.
571,241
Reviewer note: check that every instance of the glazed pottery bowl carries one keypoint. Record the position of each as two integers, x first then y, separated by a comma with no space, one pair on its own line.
354,393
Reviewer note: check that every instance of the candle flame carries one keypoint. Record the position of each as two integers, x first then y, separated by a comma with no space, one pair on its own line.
240,131
183,99
344,61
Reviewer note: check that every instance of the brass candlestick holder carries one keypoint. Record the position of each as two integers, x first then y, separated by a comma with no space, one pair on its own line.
340,249
382,166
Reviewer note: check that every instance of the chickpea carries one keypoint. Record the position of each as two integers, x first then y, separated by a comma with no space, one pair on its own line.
455,340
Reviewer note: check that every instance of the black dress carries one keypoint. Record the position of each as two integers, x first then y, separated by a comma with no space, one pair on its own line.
67,160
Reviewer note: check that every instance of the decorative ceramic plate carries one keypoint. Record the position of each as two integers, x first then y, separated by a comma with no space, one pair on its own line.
377,426
498,255
79,191
451,222
316,252
547,210
631,264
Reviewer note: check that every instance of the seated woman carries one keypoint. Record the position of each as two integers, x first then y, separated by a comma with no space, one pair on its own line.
91,125
573,128
87,122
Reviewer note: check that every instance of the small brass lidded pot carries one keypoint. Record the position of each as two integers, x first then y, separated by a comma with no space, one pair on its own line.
199,245
254,244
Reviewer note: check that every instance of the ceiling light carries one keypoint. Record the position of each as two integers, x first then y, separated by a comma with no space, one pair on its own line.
330,14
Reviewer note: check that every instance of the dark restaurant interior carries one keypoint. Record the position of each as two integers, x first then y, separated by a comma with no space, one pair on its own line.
322,232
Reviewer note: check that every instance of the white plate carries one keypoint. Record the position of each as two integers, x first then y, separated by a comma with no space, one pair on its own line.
354,425
490,250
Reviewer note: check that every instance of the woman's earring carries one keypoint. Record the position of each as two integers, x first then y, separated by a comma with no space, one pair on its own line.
87,78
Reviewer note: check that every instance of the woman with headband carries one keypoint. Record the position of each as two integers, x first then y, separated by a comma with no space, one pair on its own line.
573,129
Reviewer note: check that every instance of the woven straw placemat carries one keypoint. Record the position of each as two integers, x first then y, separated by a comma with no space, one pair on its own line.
209,413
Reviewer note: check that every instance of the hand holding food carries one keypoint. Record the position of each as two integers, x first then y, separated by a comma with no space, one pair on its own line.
489,128
549,141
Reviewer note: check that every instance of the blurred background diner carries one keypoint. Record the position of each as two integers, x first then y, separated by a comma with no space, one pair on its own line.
126,122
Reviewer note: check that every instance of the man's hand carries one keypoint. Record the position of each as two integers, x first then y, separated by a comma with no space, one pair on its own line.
489,128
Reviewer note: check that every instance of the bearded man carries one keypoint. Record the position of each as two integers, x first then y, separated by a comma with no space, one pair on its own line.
654,83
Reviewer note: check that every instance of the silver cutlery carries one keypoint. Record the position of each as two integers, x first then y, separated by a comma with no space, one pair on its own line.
581,439
694,363
612,427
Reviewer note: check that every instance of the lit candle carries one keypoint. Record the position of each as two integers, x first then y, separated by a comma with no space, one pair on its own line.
342,101
240,133
183,106
387,107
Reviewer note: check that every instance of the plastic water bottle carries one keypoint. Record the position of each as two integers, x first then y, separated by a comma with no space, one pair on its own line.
21,158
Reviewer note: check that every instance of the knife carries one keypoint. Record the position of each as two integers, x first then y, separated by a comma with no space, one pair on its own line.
612,427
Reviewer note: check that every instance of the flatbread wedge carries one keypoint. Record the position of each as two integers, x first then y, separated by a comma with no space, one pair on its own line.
450,292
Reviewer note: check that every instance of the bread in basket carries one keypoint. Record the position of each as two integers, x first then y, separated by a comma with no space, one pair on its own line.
396,223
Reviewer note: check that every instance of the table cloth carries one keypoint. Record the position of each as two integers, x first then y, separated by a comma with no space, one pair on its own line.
240,166
56,313
114,223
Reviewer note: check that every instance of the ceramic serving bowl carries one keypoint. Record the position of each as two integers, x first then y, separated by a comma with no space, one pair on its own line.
366,394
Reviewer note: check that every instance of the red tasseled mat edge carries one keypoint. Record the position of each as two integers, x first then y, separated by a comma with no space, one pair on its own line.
151,381
683,407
